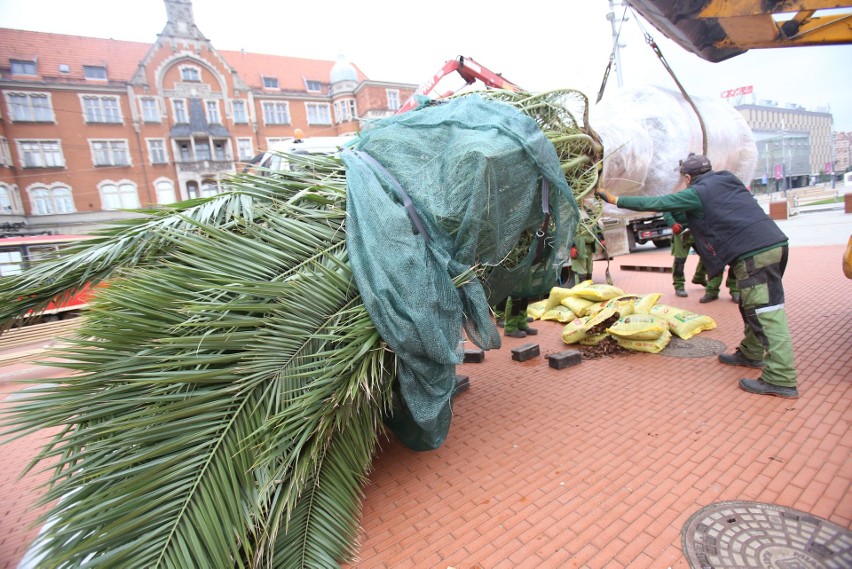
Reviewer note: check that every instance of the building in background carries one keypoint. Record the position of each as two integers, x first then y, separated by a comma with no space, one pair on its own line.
842,152
794,145
89,126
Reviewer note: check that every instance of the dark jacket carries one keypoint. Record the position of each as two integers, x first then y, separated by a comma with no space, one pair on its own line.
733,224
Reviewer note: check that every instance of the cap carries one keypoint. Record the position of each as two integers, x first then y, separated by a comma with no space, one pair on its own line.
695,164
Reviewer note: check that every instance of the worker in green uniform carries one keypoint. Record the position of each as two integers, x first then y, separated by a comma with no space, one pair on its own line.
682,242
583,249
730,228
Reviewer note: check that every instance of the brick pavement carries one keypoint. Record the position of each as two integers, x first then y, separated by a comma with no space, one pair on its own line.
601,464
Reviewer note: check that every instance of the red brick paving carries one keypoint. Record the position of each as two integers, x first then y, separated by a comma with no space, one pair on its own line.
599,465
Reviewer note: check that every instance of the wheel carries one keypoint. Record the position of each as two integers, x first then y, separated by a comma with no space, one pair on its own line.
660,243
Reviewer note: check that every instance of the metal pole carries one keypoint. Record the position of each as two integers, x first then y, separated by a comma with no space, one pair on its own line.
615,41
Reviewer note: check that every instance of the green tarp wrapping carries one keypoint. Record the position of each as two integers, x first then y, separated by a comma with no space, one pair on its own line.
473,171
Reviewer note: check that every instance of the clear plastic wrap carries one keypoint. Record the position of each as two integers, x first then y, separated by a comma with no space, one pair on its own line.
646,130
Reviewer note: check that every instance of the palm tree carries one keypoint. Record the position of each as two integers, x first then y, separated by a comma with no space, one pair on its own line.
228,385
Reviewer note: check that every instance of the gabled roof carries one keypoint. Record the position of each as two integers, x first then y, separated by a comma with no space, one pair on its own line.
290,71
121,58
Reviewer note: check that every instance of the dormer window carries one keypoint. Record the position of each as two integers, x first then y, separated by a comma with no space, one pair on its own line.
313,86
190,73
21,67
270,82
95,72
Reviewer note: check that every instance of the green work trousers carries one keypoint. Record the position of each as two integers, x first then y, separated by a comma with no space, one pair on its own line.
767,334
715,284
681,244
515,315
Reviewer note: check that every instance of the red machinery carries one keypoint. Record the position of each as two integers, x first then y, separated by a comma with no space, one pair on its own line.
470,71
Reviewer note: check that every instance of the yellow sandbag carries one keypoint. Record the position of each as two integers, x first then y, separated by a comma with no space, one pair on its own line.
577,305
593,340
639,327
559,313
536,309
624,304
598,323
651,346
557,293
683,323
644,304
574,331
597,292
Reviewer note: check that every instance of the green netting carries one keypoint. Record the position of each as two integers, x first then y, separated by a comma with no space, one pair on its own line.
474,171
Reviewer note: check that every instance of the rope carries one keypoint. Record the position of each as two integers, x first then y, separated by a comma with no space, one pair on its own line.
611,57
650,41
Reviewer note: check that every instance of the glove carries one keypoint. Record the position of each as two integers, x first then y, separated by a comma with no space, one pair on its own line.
603,243
573,252
677,228
607,197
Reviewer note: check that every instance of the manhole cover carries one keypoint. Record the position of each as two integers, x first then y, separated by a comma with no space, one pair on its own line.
693,348
750,534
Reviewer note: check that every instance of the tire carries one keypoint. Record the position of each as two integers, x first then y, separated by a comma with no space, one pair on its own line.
660,243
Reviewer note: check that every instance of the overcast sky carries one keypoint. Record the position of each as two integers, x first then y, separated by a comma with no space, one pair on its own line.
537,44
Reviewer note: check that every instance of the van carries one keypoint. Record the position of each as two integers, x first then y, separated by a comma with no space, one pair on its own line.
274,160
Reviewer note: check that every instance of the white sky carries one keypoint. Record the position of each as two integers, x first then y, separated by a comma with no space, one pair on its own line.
537,44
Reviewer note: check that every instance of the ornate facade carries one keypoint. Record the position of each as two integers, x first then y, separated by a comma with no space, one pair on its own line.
90,127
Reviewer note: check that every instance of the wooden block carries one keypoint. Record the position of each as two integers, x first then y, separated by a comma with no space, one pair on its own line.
462,384
525,352
474,356
565,358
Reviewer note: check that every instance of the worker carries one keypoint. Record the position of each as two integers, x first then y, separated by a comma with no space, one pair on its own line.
682,243
515,319
730,228
714,285
583,249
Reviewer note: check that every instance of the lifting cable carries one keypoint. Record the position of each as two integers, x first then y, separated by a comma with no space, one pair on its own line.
611,57
650,41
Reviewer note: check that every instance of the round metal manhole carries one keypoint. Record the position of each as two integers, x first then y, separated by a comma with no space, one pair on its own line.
693,348
743,535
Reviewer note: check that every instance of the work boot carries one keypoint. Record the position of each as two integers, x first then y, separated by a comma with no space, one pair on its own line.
699,281
735,297
501,322
738,359
680,292
529,331
515,334
708,298
762,388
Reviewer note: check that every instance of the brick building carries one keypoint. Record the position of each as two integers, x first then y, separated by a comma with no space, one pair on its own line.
92,126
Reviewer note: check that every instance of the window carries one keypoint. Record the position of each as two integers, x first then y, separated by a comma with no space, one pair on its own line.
314,86
202,149
120,195
33,107
213,112
345,110
185,151
11,263
179,107
110,153
150,109
219,150
240,115
101,109
190,73
157,151
40,154
209,188
244,149
393,99
21,67
276,113
95,72
9,201
270,82
165,191
318,113
5,156
47,201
